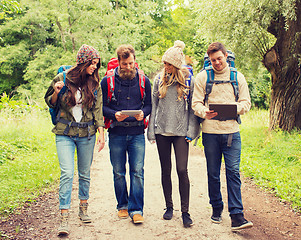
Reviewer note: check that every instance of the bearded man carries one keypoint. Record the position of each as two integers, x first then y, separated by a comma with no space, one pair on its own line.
126,132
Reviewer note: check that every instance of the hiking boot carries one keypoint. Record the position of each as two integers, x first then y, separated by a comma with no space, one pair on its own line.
83,215
238,222
137,218
217,214
187,222
123,213
63,228
168,214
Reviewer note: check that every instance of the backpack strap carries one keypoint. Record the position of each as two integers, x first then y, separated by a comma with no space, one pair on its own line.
142,84
209,83
59,96
234,82
188,84
111,85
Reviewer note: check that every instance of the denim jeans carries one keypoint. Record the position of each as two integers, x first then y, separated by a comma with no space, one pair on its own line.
131,147
65,146
216,146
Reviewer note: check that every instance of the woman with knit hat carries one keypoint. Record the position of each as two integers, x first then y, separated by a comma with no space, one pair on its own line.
79,118
173,122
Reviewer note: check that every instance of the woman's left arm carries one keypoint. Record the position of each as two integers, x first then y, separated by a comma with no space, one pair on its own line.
193,123
98,120
100,139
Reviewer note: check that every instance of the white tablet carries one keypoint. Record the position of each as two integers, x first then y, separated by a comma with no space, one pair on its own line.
131,113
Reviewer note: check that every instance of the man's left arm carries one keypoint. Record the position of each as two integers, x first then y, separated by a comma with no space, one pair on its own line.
244,100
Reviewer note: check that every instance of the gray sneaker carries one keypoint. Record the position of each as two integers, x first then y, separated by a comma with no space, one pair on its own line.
83,215
63,228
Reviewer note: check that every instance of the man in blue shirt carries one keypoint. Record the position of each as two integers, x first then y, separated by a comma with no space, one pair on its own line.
126,133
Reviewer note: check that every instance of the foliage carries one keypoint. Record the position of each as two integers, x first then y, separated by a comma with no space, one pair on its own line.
272,159
28,161
240,29
48,34
260,31
260,90
8,8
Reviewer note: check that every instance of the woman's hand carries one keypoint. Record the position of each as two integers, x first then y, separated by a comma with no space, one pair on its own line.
101,139
57,88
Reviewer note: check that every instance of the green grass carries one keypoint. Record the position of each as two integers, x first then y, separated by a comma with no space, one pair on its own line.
28,162
29,165
272,159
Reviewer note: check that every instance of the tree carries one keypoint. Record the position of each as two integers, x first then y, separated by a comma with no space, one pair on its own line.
8,8
264,30
283,61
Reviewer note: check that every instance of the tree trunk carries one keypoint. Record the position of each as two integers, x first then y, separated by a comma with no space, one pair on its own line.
283,61
61,32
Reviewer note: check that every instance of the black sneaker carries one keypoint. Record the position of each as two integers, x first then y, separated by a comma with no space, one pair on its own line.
238,222
168,214
187,222
217,214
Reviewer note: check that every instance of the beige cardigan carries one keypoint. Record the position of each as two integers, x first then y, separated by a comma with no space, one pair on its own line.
221,93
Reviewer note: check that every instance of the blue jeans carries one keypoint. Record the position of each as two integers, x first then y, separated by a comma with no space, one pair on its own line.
131,147
65,146
216,145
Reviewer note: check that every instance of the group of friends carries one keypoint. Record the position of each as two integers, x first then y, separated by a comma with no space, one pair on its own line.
175,110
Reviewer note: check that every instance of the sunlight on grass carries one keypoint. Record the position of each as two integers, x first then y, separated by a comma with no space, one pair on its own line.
28,161
272,159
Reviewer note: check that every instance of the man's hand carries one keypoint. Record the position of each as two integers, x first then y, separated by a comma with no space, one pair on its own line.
120,117
140,116
210,114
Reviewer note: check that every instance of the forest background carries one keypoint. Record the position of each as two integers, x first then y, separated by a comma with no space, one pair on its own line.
36,37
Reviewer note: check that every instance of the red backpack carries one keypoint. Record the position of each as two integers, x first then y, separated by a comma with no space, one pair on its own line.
112,65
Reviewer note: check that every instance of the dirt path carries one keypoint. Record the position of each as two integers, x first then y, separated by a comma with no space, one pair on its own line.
272,220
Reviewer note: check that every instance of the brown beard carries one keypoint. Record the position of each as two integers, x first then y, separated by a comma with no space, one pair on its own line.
127,75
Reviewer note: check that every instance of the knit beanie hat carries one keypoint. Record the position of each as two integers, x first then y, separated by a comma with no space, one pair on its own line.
174,55
86,53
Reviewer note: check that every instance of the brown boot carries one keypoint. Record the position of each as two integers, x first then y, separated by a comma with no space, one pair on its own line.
123,213
63,228
83,215
137,218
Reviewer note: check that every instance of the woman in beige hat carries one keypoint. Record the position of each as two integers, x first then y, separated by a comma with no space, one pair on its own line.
173,122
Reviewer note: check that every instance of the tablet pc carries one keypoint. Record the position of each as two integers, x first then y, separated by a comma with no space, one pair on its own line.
131,113
225,111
